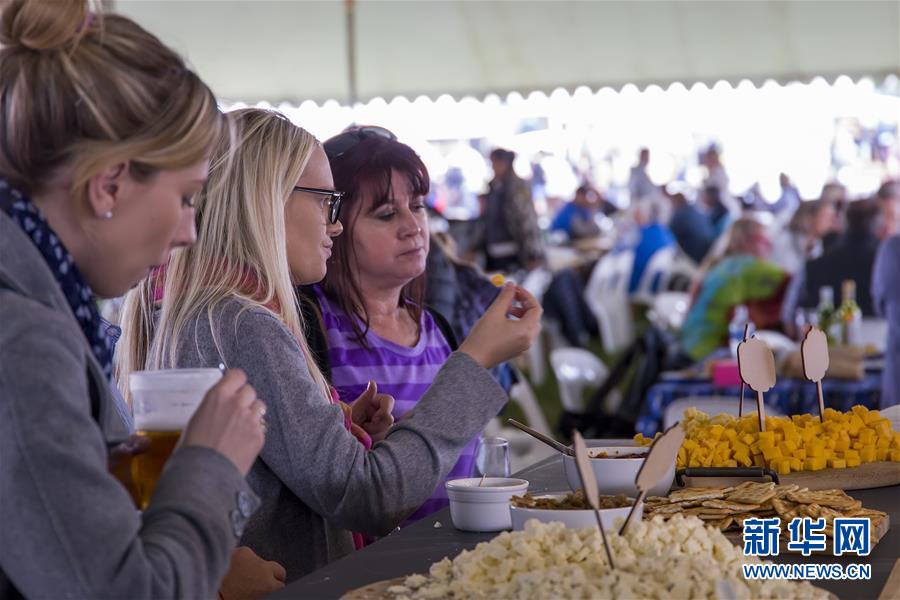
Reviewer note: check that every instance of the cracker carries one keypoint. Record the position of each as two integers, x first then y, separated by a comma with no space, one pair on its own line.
784,489
721,524
731,507
696,494
827,498
755,493
665,509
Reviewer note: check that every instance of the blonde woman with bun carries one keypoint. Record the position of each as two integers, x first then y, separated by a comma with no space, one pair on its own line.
265,225
105,138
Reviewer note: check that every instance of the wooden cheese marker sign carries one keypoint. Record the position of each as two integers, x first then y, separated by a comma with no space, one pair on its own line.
814,352
757,367
657,463
743,385
589,483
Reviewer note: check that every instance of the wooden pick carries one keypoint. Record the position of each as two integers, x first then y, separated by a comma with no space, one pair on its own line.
589,483
757,367
814,354
743,385
659,459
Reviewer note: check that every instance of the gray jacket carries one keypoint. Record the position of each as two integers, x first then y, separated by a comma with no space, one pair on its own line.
68,529
316,481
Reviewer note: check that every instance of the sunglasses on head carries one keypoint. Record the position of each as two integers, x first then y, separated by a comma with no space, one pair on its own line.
334,200
338,145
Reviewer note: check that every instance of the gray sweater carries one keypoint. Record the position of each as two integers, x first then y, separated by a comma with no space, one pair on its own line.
316,481
68,529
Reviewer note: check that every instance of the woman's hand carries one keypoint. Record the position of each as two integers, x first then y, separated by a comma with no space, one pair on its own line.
372,412
229,420
496,337
249,577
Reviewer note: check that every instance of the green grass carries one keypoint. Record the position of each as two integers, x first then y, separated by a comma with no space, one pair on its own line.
548,392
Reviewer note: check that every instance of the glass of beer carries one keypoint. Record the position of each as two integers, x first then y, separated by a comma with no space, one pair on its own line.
163,402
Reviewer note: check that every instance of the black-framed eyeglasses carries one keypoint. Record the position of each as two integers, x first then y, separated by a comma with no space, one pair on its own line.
334,200
339,145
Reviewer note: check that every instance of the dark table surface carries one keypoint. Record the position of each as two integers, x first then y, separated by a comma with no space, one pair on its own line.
415,548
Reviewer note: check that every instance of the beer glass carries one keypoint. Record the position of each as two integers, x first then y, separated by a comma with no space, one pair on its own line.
163,402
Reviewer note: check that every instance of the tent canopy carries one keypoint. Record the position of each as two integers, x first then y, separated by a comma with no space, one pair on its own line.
251,50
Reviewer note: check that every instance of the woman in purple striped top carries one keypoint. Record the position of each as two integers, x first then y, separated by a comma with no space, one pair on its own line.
371,303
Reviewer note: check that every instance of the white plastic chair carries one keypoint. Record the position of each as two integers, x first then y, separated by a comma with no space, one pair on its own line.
712,405
655,278
576,370
536,282
522,394
669,310
606,295
873,332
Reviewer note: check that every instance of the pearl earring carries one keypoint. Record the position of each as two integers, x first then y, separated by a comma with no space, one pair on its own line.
107,214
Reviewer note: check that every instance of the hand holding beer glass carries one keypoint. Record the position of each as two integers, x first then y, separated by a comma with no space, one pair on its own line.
211,409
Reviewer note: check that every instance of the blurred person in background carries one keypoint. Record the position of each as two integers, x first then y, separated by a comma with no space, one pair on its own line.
886,300
851,258
639,183
651,214
692,229
508,235
717,178
743,275
888,198
801,240
716,211
577,218
789,199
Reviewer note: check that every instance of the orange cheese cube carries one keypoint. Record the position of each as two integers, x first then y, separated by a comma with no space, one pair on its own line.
867,454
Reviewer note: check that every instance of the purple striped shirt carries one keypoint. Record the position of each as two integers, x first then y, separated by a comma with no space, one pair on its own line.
403,372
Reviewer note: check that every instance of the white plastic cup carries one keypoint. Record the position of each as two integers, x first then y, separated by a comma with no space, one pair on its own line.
166,400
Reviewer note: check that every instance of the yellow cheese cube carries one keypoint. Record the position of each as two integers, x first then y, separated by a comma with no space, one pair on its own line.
895,455
837,463
871,417
800,453
882,442
770,453
882,427
783,466
852,461
815,450
841,444
767,436
867,436
815,463
867,454
882,454
796,464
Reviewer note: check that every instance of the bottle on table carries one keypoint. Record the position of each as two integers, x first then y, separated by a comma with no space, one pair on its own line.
827,315
849,315
740,318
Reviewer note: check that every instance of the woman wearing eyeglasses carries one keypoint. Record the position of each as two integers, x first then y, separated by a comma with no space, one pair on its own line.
230,299
368,323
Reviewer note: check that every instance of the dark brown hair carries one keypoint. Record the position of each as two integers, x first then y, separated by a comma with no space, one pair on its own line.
364,171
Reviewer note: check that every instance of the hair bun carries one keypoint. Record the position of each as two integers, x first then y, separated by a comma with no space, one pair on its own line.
42,24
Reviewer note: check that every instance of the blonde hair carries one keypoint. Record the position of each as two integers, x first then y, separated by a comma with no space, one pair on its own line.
240,230
87,91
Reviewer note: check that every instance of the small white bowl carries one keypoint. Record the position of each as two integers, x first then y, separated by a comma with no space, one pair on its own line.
574,519
485,507
616,475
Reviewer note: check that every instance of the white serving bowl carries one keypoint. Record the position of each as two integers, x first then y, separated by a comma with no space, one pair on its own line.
616,475
575,519
475,507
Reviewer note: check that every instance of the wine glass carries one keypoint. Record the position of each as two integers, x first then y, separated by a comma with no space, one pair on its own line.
492,458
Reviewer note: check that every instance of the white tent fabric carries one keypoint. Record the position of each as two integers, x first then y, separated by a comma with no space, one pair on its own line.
251,50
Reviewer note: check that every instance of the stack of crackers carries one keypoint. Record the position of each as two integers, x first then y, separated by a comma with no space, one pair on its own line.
727,508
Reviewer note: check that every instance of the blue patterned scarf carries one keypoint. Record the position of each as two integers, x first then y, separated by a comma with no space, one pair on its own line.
99,334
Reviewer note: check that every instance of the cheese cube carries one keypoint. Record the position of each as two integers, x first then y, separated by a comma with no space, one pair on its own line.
882,454
895,455
837,463
815,463
867,454
852,461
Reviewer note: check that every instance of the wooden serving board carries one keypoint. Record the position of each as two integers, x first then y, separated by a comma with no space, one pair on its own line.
374,591
881,530
863,477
